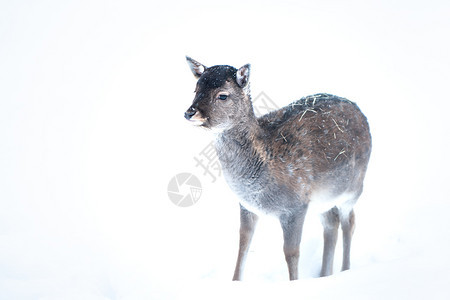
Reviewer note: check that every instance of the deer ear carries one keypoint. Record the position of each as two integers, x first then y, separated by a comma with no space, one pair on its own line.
242,75
196,67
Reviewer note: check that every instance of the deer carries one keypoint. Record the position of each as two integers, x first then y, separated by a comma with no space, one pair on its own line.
314,151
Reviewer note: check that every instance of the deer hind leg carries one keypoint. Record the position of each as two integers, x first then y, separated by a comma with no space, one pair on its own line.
292,225
348,227
248,224
330,222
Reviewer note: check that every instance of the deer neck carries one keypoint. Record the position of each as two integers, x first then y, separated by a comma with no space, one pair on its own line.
241,158
237,146
243,132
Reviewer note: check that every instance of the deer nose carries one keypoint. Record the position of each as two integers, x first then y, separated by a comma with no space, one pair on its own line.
189,113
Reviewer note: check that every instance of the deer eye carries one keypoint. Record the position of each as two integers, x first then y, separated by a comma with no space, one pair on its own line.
223,97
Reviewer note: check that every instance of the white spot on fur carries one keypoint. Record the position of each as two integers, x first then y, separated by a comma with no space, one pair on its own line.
290,169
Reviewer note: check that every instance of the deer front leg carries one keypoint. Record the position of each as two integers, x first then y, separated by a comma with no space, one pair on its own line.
248,223
292,225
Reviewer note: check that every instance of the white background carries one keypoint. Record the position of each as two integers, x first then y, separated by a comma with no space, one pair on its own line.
92,97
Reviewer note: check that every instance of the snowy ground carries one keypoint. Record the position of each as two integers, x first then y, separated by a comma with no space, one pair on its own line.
92,96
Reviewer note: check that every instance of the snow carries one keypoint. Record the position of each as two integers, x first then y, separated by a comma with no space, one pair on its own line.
92,97
412,268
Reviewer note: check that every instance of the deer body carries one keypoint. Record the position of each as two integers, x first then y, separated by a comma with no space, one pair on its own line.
313,151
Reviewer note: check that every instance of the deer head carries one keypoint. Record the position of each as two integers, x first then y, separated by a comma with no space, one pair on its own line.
222,98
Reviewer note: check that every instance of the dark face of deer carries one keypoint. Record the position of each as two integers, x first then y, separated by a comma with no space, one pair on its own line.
221,96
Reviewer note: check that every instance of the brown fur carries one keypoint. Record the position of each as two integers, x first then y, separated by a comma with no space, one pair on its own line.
317,147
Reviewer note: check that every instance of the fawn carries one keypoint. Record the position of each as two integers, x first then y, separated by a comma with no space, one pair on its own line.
315,150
